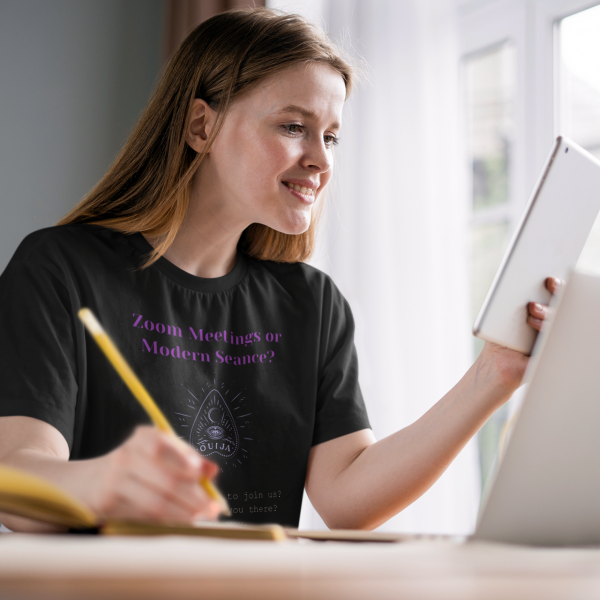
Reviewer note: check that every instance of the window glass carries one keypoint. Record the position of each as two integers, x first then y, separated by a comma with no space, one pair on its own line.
579,78
490,96
489,100
489,243
579,99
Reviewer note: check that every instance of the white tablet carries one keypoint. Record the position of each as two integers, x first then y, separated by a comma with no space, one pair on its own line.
547,243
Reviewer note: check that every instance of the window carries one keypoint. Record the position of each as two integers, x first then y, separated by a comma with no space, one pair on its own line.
531,72
578,98
579,78
489,84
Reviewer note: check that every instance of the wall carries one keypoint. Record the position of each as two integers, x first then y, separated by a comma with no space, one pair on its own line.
74,77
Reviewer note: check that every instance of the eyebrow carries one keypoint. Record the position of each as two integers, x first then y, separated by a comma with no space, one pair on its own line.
308,114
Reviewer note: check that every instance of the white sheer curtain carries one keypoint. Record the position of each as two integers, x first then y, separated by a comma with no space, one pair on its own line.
395,240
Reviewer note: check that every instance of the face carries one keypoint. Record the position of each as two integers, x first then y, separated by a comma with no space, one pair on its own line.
274,154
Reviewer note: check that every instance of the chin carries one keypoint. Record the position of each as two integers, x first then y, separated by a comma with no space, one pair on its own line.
296,228
293,225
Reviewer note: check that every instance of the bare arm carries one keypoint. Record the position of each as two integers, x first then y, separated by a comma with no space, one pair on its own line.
151,476
355,482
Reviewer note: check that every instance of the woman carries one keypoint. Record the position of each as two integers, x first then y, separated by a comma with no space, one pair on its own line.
189,251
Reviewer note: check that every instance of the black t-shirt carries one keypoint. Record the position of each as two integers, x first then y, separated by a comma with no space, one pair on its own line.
252,368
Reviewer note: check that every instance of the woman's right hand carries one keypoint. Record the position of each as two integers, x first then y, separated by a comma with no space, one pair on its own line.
152,477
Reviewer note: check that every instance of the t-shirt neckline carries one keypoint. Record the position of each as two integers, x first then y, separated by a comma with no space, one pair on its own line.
199,284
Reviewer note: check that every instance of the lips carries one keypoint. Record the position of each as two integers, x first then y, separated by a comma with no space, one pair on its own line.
307,191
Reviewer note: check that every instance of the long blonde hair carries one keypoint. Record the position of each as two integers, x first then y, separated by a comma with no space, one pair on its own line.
147,188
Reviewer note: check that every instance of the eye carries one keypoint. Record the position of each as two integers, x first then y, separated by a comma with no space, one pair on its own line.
293,128
215,432
331,140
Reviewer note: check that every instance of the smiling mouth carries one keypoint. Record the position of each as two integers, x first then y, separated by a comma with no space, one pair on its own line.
300,188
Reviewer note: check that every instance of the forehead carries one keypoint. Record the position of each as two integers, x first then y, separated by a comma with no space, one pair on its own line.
317,89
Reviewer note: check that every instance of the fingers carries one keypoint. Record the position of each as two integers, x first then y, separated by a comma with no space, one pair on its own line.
155,476
184,493
535,323
553,284
172,452
537,314
138,502
183,457
209,469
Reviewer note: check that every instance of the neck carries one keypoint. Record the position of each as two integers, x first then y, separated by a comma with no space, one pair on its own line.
206,244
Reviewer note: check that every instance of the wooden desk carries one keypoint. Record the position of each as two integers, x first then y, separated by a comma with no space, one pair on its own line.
81,567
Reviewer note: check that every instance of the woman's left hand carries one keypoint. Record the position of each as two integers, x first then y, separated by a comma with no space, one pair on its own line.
504,368
538,312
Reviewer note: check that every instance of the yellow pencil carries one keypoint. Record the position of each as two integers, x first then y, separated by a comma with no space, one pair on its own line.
139,391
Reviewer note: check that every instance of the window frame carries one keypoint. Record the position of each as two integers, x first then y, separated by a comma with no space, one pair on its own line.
532,26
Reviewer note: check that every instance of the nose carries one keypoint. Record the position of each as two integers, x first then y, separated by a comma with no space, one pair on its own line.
317,157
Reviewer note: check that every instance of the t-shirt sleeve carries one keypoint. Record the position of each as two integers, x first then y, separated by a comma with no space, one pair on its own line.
37,347
340,405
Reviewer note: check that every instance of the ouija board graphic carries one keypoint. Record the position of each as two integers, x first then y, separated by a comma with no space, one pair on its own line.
214,430
218,427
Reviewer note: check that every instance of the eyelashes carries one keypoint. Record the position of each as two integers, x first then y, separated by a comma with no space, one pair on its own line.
294,128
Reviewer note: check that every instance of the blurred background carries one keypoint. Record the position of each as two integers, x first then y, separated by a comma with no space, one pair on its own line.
441,147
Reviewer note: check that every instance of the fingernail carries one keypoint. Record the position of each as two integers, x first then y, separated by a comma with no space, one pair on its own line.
536,320
557,282
537,306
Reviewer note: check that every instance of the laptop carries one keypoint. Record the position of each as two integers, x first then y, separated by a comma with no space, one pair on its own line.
548,241
546,490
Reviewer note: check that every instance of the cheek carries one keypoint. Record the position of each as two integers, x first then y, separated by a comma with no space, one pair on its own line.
273,154
326,177
257,159
265,162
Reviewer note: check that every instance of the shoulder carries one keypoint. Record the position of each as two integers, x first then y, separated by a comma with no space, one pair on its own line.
300,280
71,255
39,244
66,246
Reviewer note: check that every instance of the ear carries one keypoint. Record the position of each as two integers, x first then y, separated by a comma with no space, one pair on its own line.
200,122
